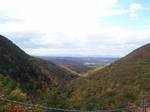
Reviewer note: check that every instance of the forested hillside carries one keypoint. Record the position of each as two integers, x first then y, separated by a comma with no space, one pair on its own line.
33,74
28,79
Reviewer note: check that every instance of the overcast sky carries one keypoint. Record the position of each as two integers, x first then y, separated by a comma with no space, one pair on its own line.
76,27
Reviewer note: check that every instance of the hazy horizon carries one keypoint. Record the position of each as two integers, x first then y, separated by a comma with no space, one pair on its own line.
77,56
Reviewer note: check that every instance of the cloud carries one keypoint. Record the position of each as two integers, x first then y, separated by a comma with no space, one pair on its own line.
117,42
134,8
61,16
76,16
7,20
66,27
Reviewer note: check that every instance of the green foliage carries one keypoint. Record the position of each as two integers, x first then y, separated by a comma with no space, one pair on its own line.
6,84
2,106
10,90
144,80
54,97
18,95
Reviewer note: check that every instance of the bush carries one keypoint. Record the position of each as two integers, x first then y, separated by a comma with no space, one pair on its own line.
18,95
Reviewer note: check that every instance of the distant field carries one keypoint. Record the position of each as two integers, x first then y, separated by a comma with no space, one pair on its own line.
81,64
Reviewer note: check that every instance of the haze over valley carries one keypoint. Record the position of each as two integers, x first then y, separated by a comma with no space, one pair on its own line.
81,65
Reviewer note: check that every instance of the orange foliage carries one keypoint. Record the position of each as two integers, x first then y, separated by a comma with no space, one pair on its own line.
16,108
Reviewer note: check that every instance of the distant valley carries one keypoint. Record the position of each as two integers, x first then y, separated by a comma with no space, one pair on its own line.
81,65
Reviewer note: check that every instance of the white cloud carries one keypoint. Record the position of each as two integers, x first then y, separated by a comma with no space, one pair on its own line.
134,8
117,42
133,15
69,26
61,15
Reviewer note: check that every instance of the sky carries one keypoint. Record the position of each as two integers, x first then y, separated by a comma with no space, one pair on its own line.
76,27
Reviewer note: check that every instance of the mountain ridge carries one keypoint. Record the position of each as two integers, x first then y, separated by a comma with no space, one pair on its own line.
118,85
29,70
